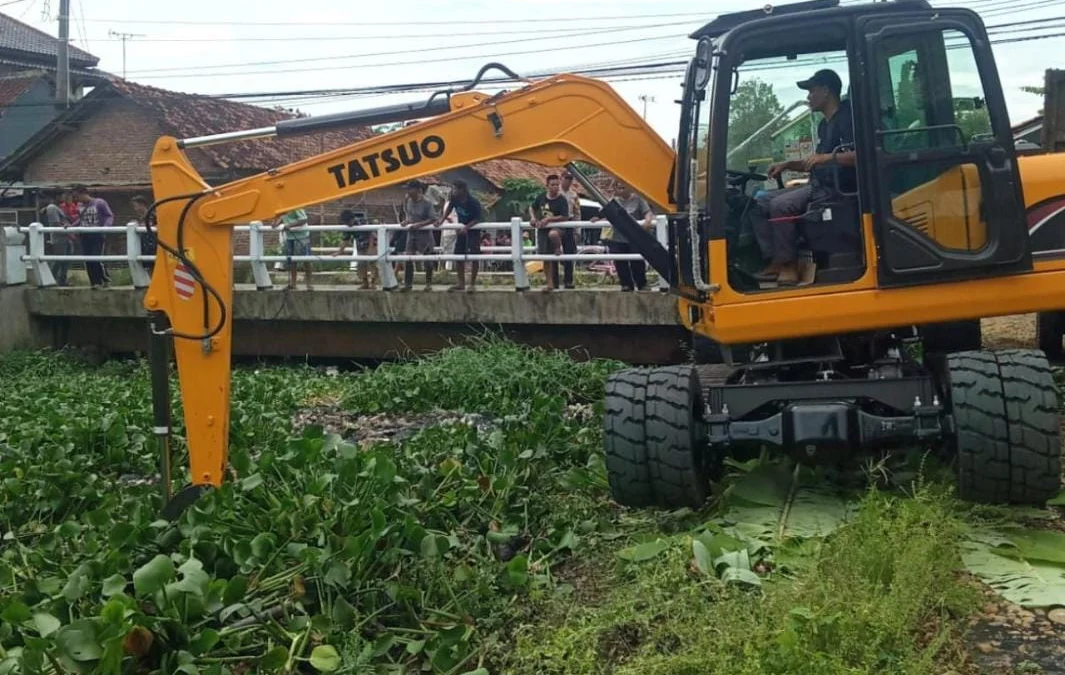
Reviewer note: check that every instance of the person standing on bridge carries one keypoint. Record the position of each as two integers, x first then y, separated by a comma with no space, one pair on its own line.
95,212
631,273
570,236
149,239
418,216
297,243
62,243
550,207
468,241
362,244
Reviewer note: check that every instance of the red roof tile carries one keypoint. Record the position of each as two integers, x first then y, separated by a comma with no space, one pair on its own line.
188,115
13,87
16,36
496,171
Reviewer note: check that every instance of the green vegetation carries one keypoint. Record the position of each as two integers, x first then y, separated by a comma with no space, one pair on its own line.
879,597
480,541
753,106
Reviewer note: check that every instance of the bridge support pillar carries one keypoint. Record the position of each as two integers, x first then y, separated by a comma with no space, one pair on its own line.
137,274
42,273
12,248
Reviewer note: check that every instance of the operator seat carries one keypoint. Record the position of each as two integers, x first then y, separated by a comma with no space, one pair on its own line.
831,230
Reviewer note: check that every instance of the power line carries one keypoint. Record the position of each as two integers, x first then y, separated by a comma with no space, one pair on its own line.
336,57
414,61
678,68
561,32
1021,7
81,25
605,72
26,9
596,19
449,34
649,71
188,71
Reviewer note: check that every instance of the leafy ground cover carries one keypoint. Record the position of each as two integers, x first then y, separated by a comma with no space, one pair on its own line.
467,532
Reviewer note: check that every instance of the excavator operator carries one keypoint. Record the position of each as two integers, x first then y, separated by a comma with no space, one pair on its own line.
774,226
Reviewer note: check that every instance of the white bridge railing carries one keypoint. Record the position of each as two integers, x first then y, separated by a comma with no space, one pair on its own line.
28,244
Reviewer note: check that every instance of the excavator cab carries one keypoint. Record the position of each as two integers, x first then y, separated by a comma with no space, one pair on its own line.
911,241
935,194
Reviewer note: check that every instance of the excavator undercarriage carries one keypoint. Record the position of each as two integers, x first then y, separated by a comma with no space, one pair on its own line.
667,430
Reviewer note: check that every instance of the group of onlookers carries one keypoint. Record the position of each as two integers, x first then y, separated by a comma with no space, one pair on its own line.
79,208
561,204
421,218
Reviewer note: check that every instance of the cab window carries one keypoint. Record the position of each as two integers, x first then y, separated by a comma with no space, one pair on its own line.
802,224
931,98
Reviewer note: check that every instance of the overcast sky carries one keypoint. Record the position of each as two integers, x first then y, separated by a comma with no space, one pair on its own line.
209,46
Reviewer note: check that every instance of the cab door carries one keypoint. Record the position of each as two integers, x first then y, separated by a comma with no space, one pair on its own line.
944,181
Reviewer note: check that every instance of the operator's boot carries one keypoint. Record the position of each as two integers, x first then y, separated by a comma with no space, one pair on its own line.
789,274
770,273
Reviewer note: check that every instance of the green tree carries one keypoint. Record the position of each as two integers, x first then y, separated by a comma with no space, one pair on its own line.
586,168
909,107
975,122
518,195
753,106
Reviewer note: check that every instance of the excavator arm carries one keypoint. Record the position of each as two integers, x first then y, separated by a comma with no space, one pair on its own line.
552,122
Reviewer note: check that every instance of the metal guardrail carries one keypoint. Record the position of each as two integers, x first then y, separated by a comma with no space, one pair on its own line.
32,252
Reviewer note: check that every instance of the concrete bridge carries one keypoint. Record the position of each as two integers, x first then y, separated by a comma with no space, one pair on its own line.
346,322
338,321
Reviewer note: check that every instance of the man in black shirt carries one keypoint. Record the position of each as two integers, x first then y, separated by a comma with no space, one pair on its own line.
468,240
552,207
777,240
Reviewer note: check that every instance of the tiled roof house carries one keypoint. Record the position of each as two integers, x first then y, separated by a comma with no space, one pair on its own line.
28,60
23,46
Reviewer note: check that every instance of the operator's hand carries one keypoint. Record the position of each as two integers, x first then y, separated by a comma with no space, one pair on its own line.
776,169
817,160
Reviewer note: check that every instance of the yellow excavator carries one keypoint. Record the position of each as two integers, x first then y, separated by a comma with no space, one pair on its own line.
879,349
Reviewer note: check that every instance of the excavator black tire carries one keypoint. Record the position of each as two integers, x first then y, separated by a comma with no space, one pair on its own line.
624,443
680,474
1007,433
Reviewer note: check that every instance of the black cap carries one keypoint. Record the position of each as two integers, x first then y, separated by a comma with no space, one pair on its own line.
414,184
824,78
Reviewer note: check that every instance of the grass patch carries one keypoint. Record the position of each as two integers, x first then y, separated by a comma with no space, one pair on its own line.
879,596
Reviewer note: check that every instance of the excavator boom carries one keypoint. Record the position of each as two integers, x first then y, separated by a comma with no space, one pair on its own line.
552,122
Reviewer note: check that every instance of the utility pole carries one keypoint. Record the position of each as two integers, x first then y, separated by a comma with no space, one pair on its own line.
62,70
1054,112
645,98
124,37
